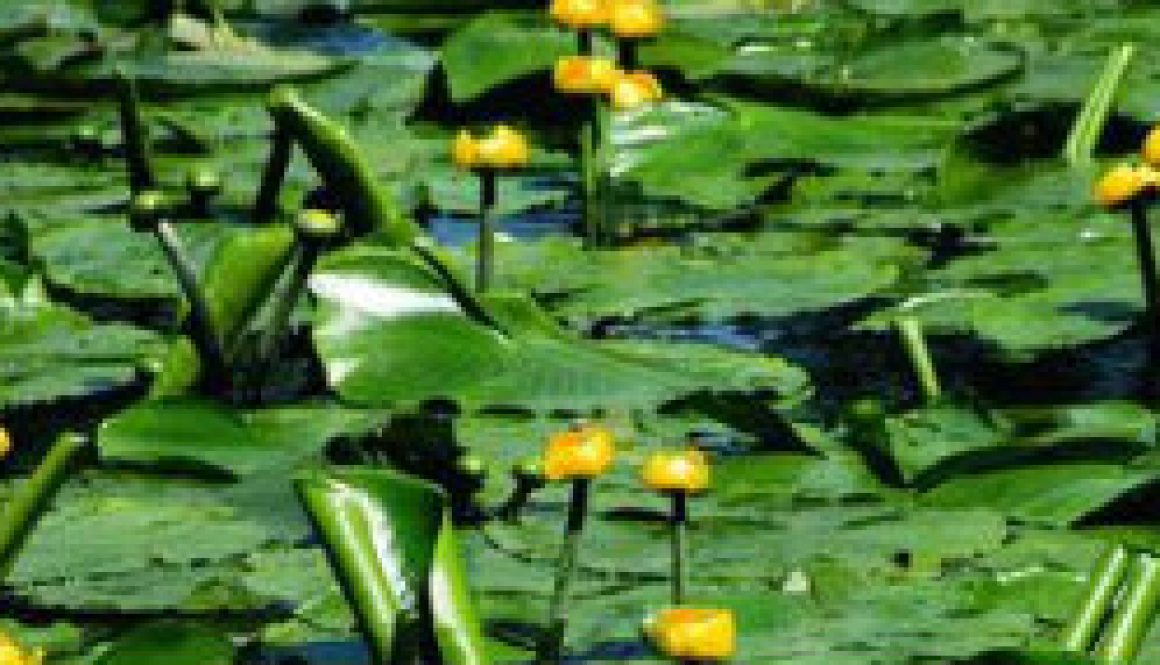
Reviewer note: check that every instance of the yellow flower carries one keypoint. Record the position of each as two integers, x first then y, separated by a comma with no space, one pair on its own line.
683,471
5,443
1124,183
465,150
584,75
1151,151
582,452
12,654
636,19
633,90
580,14
693,634
504,148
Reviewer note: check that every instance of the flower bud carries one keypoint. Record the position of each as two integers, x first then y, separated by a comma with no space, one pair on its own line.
632,90
504,148
5,445
683,471
582,452
317,225
465,150
584,75
579,14
693,634
1123,184
636,19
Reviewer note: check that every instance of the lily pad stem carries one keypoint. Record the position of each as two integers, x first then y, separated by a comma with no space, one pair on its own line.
33,497
134,133
1134,615
485,258
1146,255
200,318
679,522
1107,576
273,177
551,648
914,342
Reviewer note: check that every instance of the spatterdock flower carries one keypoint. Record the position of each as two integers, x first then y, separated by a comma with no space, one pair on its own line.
1124,184
677,471
504,148
580,14
693,634
5,443
582,452
635,19
584,75
633,90
12,653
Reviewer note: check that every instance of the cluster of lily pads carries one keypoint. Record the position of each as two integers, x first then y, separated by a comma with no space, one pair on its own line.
850,256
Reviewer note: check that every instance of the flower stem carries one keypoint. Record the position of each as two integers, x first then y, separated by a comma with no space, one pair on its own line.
134,133
679,522
1103,585
588,178
913,340
33,498
551,647
276,325
266,204
1146,254
485,256
1133,617
628,54
200,318
602,136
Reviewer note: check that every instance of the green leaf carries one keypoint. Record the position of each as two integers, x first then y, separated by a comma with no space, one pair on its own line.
496,48
389,332
196,435
170,642
393,549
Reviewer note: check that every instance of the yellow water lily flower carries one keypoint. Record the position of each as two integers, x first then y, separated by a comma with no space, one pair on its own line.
1151,149
693,634
5,443
1123,184
11,653
584,75
504,148
632,90
636,19
677,471
581,452
580,14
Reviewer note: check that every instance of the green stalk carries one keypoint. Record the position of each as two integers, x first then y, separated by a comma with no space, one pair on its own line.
679,522
485,258
33,497
914,342
274,176
1103,585
603,168
552,646
588,178
201,327
628,54
1146,256
1133,617
1089,125
135,134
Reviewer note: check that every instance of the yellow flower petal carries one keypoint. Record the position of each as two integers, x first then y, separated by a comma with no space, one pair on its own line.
633,90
